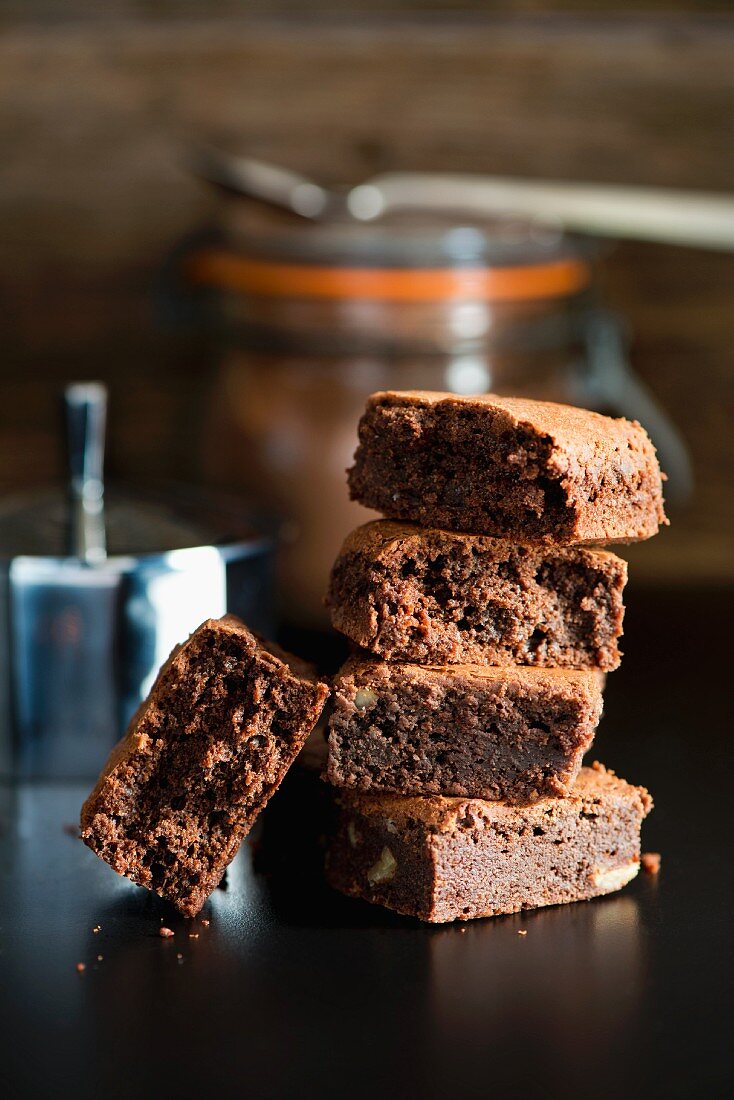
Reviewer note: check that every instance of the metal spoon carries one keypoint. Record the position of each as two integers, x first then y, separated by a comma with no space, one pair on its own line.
279,187
699,219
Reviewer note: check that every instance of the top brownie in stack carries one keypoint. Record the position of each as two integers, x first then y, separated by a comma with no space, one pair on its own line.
530,471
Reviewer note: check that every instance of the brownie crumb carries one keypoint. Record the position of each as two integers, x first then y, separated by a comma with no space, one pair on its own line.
97,929
100,958
522,932
205,923
165,933
81,967
193,935
650,862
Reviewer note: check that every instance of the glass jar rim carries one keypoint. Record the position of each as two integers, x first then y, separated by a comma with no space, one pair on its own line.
405,239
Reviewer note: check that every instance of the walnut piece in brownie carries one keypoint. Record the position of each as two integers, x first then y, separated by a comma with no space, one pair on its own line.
444,859
224,720
531,471
500,733
409,593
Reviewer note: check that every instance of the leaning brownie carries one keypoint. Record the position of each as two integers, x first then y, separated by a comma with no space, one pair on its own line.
531,471
202,756
444,859
408,593
501,733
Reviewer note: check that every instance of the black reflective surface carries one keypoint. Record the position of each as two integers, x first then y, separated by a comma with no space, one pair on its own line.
294,991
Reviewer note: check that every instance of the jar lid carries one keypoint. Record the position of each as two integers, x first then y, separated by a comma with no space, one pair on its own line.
84,522
400,238
137,523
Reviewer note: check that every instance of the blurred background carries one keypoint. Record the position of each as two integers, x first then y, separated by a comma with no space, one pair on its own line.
237,344
118,263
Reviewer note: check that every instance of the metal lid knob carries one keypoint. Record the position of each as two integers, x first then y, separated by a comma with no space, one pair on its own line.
86,418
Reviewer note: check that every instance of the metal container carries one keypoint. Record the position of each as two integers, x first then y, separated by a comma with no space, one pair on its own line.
94,594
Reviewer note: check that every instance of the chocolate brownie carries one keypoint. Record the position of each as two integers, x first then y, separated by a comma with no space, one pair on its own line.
530,471
501,733
444,859
408,593
223,722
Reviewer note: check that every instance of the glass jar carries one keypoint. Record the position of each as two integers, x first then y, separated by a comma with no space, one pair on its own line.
317,317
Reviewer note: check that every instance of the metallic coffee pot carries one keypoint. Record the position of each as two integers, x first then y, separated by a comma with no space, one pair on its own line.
94,595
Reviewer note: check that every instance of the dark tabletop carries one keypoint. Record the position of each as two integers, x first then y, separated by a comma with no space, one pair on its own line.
293,991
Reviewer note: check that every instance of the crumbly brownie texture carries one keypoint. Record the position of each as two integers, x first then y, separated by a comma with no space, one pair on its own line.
500,733
531,471
202,756
444,859
408,593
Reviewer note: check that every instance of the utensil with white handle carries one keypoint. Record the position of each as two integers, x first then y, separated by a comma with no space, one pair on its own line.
697,219
639,213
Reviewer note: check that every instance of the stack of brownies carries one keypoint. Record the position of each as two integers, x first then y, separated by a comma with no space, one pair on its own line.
486,617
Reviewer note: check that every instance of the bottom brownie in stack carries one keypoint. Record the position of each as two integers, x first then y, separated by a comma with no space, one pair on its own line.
443,859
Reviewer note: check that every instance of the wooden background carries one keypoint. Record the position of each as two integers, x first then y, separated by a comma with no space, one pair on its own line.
99,103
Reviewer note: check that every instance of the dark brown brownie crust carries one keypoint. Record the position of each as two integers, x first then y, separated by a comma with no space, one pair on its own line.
444,859
408,593
220,728
530,471
499,733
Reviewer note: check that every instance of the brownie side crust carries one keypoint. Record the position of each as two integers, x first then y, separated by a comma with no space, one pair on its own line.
517,734
407,593
530,471
444,859
223,722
